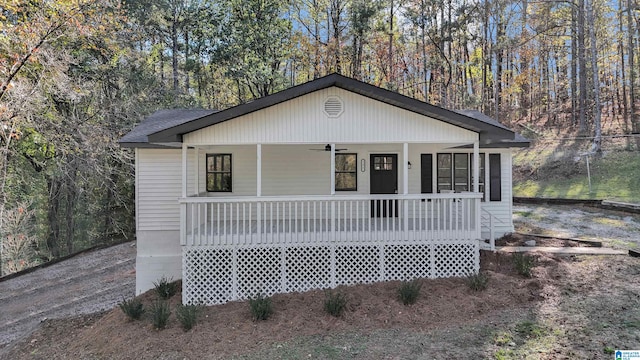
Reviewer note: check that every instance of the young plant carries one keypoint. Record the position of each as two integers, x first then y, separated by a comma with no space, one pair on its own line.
132,308
261,307
335,303
409,291
187,315
524,264
160,313
477,282
165,288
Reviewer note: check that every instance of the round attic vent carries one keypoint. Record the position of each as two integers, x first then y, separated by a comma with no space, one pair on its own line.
333,106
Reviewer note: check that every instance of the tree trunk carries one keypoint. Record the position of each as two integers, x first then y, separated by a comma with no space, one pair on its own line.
582,100
574,64
174,51
632,73
597,138
53,209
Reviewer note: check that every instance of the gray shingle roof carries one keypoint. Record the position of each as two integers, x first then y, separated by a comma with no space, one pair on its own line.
517,141
158,121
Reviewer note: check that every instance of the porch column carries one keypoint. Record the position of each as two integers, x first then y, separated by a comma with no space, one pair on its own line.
405,168
259,170
196,180
185,151
333,169
476,166
183,206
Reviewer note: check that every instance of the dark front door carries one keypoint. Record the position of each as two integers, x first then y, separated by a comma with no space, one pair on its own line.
384,180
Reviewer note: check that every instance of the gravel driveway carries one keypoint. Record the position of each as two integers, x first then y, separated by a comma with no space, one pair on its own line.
87,283
615,229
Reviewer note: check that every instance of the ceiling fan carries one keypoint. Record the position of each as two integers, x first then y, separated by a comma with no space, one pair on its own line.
328,148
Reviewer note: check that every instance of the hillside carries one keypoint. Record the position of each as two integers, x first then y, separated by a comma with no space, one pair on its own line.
555,165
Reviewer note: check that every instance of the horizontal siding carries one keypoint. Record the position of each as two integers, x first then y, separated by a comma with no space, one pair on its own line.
295,170
502,210
302,120
243,167
158,189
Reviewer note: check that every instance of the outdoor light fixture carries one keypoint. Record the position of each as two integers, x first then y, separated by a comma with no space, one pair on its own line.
409,164
363,165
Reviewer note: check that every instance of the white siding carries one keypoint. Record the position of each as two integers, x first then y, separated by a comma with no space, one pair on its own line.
302,120
501,210
158,188
243,169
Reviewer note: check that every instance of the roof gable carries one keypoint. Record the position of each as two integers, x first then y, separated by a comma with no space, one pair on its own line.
167,130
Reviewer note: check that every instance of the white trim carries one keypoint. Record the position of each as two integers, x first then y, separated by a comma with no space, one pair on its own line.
185,150
196,162
333,169
476,166
259,170
405,168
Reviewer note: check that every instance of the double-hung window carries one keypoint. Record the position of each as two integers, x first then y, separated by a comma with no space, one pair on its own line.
346,172
219,173
455,172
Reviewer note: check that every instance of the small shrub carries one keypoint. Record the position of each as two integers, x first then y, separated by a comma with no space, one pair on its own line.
261,307
409,291
524,264
132,308
165,288
160,312
335,303
477,282
187,315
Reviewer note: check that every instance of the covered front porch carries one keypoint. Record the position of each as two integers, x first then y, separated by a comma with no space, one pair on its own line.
236,244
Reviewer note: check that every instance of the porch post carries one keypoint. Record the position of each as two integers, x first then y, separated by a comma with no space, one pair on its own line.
333,169
183,206
185,150
405,168
195,171
476,166
405,189
258,191
259,170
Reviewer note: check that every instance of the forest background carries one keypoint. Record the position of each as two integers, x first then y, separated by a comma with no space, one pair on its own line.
76,75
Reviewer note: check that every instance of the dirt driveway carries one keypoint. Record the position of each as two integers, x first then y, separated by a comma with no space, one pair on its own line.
97,280
87,283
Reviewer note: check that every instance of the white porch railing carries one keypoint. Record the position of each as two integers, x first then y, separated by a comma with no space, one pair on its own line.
234,248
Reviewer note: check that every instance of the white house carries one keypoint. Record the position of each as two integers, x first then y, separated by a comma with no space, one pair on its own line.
331,182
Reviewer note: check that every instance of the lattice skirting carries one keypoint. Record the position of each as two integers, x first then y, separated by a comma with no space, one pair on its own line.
215,275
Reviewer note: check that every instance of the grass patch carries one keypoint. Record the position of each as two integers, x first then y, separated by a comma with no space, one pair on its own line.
165,288
261,307
503,354
335,303
530,329
132,308
502,338
615,176
523,263
160,313
409,292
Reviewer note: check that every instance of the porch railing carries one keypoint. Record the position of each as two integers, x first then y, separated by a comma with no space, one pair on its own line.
325,219
235,248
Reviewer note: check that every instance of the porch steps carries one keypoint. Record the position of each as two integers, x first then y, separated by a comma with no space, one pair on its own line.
563,250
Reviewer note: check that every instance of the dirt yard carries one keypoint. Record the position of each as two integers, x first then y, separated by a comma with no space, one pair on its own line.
572,307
